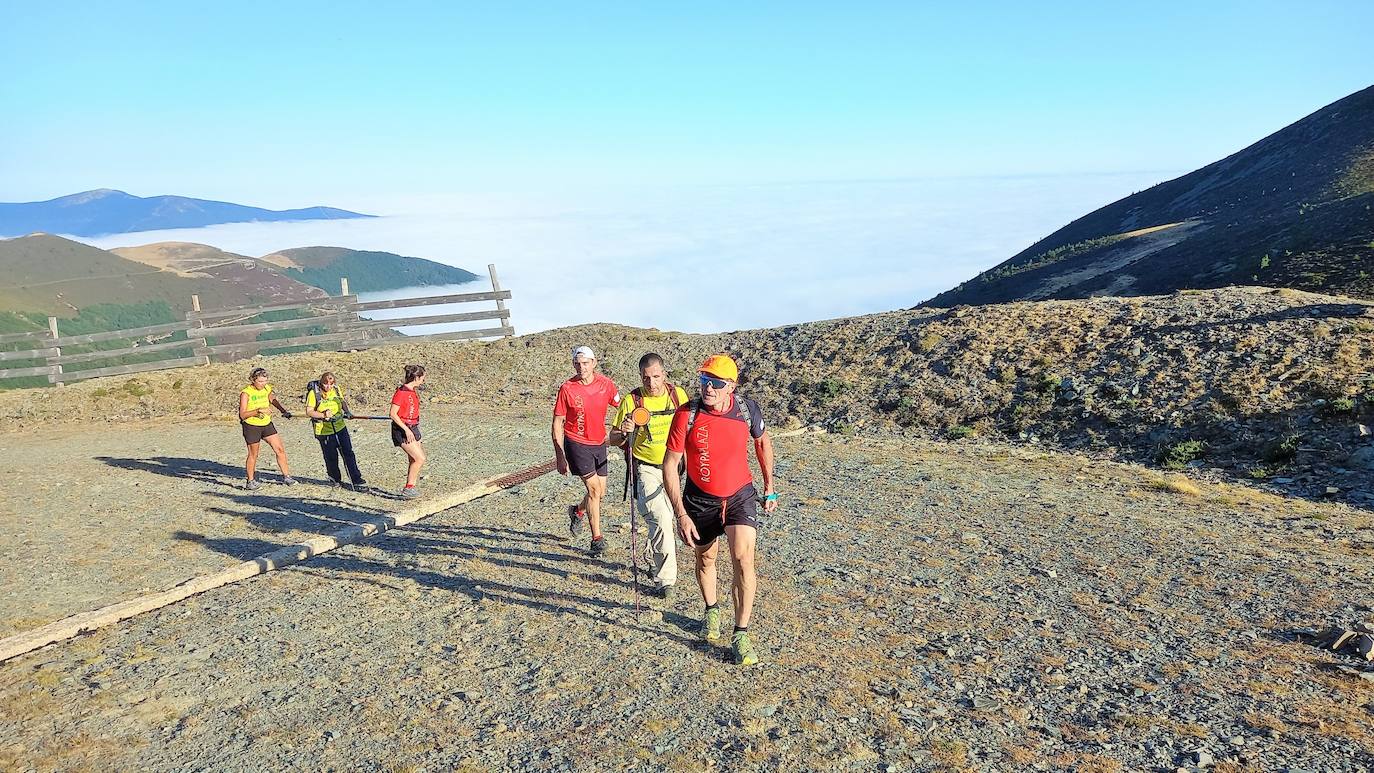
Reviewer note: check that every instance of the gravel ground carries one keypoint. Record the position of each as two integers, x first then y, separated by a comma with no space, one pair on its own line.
135,508
923,605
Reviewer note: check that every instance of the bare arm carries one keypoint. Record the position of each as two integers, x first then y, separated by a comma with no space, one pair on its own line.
672,486
310,405
244,413
763,449
557,432
277,404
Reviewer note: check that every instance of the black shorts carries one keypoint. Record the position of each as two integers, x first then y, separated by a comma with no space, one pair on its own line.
586,460
711,514
398,435
253,434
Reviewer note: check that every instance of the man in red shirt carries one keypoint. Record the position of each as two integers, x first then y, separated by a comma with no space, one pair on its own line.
712,432
579,439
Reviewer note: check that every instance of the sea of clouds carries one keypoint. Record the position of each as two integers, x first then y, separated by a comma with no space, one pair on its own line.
705,259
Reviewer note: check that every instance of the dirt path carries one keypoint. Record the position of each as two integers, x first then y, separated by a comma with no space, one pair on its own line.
926,606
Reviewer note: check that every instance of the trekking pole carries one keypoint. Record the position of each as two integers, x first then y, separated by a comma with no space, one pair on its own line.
640,416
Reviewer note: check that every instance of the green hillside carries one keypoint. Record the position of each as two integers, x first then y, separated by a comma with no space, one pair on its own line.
50,275
366,270
1295,209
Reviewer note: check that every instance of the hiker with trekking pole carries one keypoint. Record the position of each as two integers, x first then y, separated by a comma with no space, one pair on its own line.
712,433
641,425
579,440
256,422
328,412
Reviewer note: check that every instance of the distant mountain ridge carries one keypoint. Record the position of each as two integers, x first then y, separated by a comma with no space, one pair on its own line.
107,211
1295,209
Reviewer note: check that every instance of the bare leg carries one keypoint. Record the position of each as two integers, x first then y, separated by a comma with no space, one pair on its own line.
277,448
416,455
251,463
591,503
742,539
706,571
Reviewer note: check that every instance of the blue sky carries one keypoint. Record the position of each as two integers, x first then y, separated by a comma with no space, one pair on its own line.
358,104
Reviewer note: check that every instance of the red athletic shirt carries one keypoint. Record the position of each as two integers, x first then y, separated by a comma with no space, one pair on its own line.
718,450
409,403
584,408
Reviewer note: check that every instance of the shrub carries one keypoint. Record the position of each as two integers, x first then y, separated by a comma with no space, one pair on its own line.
827,390
961,431
1047,384
1177,456
928,342
1284,449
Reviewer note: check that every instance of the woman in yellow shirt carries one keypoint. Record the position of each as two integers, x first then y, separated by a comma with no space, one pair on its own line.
256,420
324,402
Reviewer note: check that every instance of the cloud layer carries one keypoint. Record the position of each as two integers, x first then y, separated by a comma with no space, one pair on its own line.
706,259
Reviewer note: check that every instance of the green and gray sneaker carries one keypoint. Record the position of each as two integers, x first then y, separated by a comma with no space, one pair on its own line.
743,649
710,625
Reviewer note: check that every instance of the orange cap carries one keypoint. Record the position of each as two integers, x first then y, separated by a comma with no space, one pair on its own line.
721,366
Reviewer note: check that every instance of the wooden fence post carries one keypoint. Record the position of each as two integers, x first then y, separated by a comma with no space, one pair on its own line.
496,288
52,331
198,327
343,285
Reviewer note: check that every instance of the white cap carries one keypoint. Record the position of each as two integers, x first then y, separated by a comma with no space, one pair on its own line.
584,352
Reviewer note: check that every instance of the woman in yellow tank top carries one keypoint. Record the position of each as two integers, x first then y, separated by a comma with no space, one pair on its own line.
256,421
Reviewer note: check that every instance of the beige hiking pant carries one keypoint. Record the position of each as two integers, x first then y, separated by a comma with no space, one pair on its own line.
658,515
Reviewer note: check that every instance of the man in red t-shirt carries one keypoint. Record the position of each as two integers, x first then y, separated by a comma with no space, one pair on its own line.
579,438
712,433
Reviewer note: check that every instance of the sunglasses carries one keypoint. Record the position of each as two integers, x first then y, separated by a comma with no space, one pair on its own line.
714,383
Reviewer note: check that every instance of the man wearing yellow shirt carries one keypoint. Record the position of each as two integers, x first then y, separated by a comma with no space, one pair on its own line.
661,399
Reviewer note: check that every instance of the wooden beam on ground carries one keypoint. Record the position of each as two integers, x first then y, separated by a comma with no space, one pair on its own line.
69,627
124,370
433,300
105,354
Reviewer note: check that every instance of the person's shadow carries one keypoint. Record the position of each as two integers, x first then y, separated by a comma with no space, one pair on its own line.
203,470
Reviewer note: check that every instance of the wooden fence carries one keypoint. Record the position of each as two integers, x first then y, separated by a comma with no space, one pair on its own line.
226,335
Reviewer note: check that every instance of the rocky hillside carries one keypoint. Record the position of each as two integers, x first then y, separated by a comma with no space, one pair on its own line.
1295,209
1251,383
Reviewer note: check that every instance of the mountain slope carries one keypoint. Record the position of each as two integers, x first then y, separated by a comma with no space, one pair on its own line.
1295,209
366,270
106,211
49,274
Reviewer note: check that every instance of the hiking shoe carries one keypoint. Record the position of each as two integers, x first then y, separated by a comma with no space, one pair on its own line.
743,649
576,521
252,485
663,592
598,546
409,492
287,480
710,625
360,487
